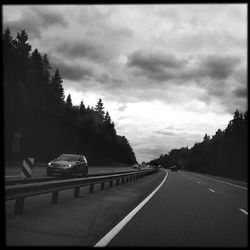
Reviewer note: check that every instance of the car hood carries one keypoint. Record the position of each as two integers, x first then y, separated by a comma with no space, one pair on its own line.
62,163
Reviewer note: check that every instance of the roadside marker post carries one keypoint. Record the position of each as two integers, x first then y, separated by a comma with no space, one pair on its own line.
26,170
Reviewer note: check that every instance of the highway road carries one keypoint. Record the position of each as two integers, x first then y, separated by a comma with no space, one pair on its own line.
189,210
180,209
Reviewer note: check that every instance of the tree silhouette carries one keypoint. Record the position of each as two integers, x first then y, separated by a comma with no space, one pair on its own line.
99,109
82,107
56,89
69,102
34,106
225,154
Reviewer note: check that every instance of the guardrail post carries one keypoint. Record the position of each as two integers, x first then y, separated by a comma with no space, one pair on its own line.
91,188
102,185
117,182
110,183
54,198
19,206
76,192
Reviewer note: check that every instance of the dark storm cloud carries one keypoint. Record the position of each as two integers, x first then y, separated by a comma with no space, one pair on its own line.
154,62
35,20
241,76
240,92
84,49
109,82
72,71
218,67
156,66
164,67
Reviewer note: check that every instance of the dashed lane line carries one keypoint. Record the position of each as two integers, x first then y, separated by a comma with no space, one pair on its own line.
211,190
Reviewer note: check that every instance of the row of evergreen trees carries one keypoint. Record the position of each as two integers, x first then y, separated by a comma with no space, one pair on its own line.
225,154
37,117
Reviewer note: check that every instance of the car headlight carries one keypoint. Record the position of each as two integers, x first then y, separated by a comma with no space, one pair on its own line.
68,166
49,164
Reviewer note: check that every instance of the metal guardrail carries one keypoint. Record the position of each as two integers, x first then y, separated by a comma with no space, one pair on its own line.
20,192
46,179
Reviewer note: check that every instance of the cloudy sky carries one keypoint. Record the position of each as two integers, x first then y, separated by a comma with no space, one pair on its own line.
167,74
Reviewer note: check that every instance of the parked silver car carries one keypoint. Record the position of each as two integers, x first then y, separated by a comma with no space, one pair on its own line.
68,164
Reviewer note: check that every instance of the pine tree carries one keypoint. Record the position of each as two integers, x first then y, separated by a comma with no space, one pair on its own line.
8,57
82,107
7,40
21,45
22,48
107,118
36,65
99,109
56,88
35,80
46,68
69,102
109,126
206,138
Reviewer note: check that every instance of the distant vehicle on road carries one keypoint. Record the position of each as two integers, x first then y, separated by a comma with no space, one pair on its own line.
68,164
174,168
136,166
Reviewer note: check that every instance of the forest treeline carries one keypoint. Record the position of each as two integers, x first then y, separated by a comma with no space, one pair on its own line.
225,154
39,123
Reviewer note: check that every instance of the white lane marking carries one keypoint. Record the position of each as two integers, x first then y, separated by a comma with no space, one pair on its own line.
212,190
111,234
225,182
243,211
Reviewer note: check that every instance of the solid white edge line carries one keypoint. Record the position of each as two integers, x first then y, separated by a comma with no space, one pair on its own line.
243,211
111,234
225,182
212,190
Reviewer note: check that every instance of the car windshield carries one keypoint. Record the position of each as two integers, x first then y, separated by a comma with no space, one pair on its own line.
65,157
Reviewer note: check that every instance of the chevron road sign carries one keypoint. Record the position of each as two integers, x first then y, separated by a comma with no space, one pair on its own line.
27,167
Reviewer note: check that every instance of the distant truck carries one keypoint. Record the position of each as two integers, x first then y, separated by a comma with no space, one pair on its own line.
174,168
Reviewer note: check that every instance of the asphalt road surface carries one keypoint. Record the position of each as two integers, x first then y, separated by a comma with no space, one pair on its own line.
189,210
